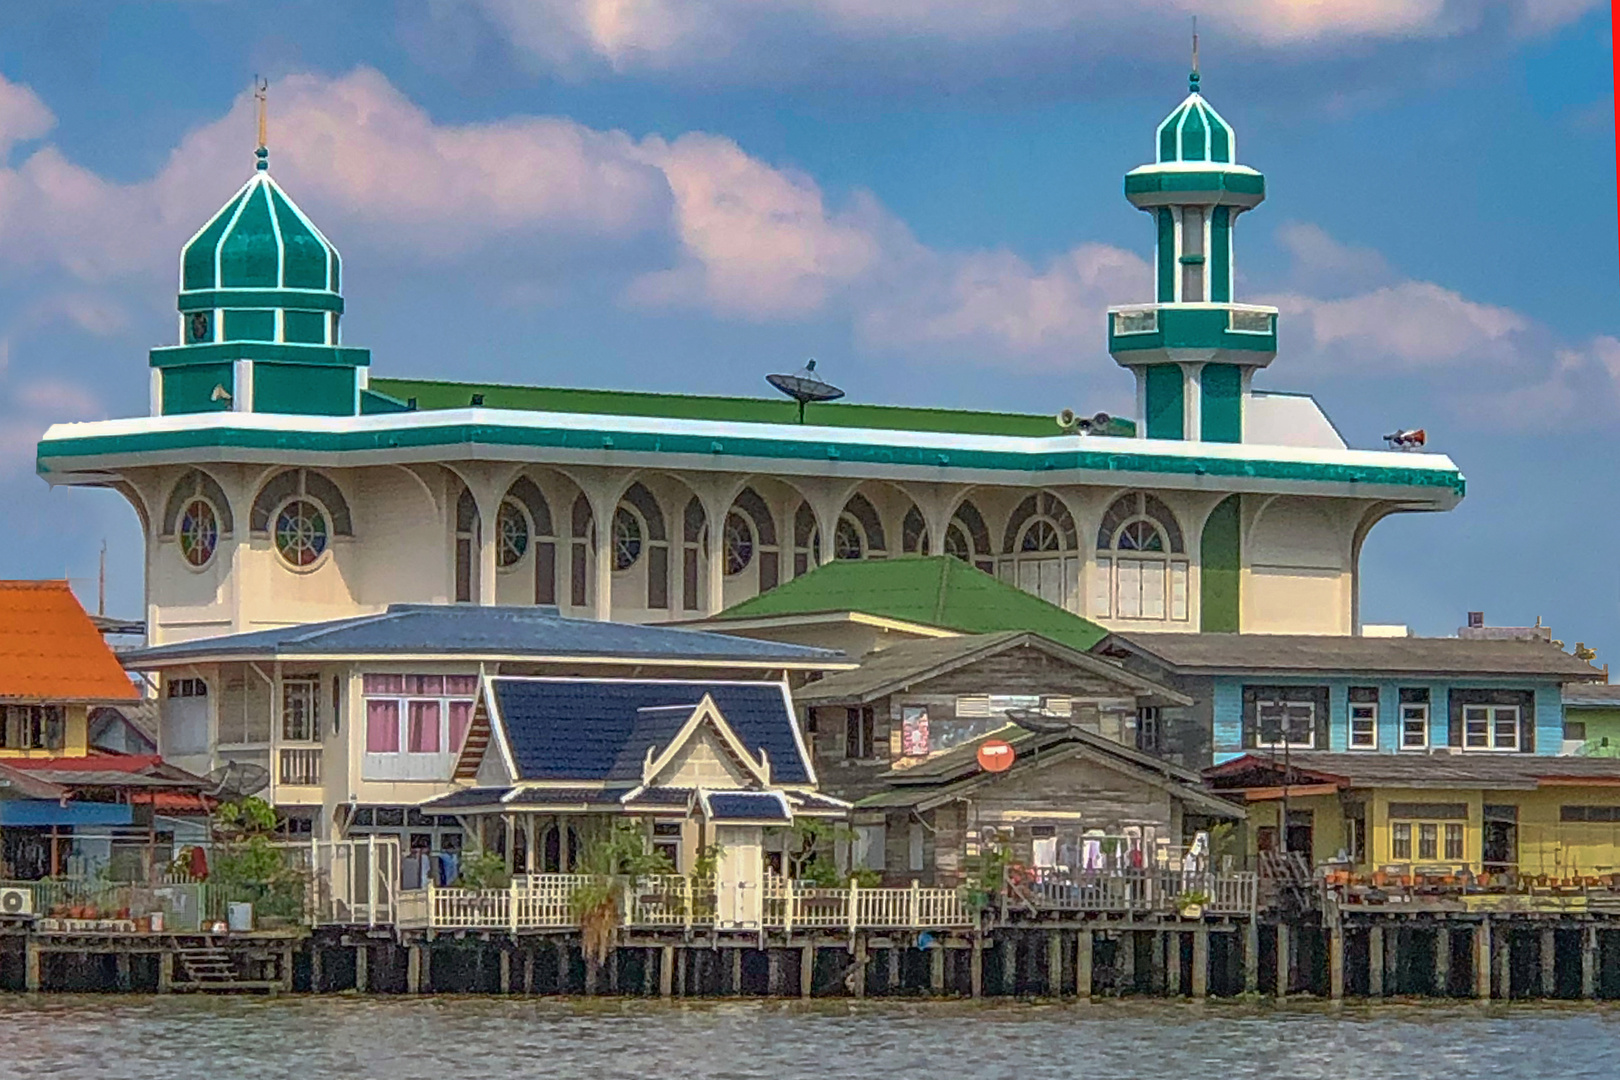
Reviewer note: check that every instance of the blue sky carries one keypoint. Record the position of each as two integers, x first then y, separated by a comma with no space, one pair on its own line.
925,194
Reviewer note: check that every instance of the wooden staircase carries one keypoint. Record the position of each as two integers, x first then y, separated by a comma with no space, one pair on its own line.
210,970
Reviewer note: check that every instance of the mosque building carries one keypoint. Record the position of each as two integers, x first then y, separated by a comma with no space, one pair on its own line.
278,482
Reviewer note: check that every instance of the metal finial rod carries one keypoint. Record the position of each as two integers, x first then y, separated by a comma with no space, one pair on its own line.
261,94
1193,78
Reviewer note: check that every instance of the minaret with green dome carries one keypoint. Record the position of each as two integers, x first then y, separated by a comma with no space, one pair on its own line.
1193,350
260,310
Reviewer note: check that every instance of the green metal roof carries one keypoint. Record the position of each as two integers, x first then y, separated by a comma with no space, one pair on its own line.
932,590
457,395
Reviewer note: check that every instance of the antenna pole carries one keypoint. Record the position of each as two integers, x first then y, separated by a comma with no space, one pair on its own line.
101,583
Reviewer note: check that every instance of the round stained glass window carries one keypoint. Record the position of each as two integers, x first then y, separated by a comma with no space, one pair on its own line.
739,544
846,540
300,532
956,543
199,533
1139,536
514,532
626,539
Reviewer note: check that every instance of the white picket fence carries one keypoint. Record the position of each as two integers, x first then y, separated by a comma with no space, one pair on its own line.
543,901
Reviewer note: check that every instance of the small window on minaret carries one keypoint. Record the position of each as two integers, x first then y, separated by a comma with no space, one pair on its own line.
1192,254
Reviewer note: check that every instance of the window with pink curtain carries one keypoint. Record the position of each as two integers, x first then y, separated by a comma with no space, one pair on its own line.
424,727
461,685
460,721
382,727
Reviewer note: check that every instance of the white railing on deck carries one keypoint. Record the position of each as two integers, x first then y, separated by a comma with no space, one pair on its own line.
353,882
544,901
1139,890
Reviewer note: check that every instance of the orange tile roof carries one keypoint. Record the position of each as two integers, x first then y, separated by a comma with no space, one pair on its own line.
50,651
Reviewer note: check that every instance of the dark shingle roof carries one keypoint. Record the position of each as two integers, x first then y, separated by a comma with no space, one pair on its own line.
1256,653
601,729
1415,770
474,631
747,806
893,668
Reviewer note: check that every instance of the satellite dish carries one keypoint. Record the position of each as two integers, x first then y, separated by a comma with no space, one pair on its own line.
237,780
805,386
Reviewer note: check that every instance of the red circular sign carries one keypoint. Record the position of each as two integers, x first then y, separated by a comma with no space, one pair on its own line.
996,755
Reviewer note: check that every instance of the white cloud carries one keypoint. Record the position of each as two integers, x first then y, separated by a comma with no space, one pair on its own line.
766,36
23,116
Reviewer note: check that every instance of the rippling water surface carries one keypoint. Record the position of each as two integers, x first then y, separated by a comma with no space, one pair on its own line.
488,1039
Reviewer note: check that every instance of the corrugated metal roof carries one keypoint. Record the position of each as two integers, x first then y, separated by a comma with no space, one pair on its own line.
50,651
1592,695
602,729
897,666
472,631
1311,653
1438,770
934,591
731,806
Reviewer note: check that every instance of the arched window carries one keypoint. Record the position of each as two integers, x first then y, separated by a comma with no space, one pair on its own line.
195,484
301,533
512,526
750,516
467,540
1140,571
638,545
965,537
1041,550
199,533
692,542
525,504
627,537
858,534
300,510
579,554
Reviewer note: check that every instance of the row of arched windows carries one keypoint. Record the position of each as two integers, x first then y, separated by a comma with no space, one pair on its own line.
299,510
1140,570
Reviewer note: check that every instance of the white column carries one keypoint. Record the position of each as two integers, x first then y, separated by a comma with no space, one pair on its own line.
1141,400
242,377
1192,402
154,392
714,522
604,501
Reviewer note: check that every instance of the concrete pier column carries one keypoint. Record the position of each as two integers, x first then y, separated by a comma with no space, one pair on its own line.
1589,962
506,971
1284,960
860,965
33,965
1007,946
121,972
735,984
414,963
1054,963
891,973
936,969
528,970
165,972
1251,956
807,969
773,974
666,971
317,969
976,967
1502,951
1549,962
1083,957
1482,960
287,969
682,960
1336,960
362,968
1375,961
1156,965
1125,961
1172,963
1442,961
1200,963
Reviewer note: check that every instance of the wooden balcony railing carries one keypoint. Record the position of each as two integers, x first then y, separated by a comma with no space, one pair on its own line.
300,766
1133,891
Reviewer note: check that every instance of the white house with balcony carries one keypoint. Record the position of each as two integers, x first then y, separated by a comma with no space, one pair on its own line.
278,482
351,725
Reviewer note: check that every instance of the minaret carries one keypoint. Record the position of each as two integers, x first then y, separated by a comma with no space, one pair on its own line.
260,306
1193,351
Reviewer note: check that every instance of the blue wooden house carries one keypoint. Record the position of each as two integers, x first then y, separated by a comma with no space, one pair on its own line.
1265,693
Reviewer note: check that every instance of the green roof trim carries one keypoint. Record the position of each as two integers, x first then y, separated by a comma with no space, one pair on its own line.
431,395
327,355
935,590
222,436
302,299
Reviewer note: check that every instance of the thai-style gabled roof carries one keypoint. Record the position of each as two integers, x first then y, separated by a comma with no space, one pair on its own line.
464,630
50,651
955,773
908,663
937,590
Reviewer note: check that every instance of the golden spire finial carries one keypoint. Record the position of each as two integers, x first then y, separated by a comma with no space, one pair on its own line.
1194,78
261,90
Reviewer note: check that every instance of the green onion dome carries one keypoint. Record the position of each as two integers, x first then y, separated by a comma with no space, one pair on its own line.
1195,132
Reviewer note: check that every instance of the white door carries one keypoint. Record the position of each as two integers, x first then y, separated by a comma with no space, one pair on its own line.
740,876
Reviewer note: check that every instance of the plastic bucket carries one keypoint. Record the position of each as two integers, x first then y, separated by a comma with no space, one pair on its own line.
239,916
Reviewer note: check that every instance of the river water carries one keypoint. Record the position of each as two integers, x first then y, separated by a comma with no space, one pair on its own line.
451,1038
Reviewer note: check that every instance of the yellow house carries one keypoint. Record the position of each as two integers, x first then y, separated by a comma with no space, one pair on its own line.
1519,817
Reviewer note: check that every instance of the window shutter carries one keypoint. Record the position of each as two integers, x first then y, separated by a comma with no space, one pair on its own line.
1250,726
1320,695
1527,723
1454,725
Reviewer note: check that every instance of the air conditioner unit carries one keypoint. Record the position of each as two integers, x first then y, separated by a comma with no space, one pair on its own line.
16,901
